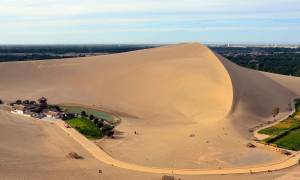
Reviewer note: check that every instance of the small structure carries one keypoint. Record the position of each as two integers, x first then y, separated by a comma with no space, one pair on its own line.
19,109
52,114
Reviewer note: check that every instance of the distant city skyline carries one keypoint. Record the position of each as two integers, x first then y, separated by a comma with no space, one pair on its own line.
149,21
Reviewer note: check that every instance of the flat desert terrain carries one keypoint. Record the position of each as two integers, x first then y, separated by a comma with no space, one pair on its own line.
191,108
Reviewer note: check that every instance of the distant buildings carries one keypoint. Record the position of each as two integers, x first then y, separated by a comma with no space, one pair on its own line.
37,110
18,109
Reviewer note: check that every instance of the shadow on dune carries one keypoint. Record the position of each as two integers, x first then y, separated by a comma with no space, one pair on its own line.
254,95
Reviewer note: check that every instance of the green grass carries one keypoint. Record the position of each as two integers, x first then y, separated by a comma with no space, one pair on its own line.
285,134
290,141
284,125
85,127
76,109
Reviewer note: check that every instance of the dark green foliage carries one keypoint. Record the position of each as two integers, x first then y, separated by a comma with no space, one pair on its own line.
25,102
85,127
277,60
99,124
96,121
107,128
32,102
96,113
67,116
54,108
39,52
83,114
285,134
91,117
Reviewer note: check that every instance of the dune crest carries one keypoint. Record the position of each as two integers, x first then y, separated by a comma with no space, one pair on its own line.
185,81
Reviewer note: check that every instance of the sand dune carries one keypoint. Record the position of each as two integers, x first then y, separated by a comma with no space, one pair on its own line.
163,83
168,94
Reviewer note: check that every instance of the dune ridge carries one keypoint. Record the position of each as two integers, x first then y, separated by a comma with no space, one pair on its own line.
156,83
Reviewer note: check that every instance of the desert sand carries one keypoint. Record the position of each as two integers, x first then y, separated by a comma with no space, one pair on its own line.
191,107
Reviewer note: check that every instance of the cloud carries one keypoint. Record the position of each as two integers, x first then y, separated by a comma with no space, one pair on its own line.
76,7
33,17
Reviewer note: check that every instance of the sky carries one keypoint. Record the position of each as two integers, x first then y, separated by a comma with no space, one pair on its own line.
149,21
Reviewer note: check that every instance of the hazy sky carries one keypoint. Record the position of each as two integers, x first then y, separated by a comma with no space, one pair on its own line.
149,21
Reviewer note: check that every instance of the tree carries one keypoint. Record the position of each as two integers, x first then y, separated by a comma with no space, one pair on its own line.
18,101
275,111
83,114
107,128
99,124
91,117
55,108
32,102
110,133
26,102
297,73
1,102
96,121
67,116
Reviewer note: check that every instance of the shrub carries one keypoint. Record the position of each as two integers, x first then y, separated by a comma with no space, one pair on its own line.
168,177
275,111
1,102
74,155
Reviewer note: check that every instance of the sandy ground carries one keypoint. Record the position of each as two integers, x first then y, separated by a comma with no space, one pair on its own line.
32,149
37,150
190,107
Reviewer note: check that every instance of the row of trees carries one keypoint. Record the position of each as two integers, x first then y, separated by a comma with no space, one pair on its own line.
106,128
101,123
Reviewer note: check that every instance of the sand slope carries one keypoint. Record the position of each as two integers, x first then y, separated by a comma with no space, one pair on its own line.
168,94
183,81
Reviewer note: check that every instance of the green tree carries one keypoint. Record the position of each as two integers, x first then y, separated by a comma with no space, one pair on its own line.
275,111
83,114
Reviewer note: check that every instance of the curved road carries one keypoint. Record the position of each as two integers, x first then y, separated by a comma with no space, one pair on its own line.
99,154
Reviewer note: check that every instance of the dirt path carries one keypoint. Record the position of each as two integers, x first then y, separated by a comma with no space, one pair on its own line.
99,154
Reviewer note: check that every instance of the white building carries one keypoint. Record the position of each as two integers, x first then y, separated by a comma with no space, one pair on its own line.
18,109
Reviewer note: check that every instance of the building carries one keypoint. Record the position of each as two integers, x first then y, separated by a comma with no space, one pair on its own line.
52,114
18,109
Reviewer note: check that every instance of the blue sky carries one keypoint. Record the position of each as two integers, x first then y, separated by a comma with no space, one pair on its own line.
149,21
